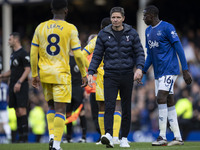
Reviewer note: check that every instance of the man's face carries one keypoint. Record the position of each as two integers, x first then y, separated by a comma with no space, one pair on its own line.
11,41
147,18
117,19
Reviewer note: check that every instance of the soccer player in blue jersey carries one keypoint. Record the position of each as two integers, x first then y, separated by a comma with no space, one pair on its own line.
163,45
3,110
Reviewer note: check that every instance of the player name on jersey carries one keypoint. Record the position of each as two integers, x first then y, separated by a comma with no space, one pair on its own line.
51,26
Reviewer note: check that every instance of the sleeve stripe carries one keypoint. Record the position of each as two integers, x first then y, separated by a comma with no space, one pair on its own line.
35,44
76,48
87,51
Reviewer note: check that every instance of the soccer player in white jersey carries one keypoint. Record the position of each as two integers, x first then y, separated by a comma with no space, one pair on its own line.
163,45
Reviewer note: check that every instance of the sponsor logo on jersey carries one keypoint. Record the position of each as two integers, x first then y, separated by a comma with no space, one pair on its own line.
174,34
153,44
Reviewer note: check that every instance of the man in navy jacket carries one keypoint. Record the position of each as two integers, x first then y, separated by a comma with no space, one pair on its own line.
120,47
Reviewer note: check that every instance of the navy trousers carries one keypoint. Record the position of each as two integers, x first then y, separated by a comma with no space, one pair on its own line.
113,84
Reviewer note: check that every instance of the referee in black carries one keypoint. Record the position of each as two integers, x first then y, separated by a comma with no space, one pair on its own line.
18,87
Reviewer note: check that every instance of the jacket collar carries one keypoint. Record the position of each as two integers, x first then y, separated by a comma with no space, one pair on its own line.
109,28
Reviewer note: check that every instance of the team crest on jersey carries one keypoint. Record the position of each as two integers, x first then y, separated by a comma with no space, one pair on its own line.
159,33
147,35
174,34
76,69
127,38
15,62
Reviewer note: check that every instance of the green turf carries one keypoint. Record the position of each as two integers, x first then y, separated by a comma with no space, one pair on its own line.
92,146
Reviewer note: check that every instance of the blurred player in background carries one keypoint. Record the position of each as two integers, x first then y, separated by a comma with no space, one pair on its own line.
52,41
163,45
88,50
77,100
18,87
3,107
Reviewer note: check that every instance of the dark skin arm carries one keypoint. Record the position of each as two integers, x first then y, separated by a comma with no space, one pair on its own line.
187,77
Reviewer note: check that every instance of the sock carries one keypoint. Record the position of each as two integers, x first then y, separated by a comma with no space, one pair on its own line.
19,129
59,125
69,131
162,112
101,122
56,144
117,123
83,126
24,127
7,130
50,121
14,135
172,117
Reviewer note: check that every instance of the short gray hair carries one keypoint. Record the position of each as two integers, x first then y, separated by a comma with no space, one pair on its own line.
117,9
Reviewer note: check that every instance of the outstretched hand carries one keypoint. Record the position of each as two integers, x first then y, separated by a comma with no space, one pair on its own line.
84,81
187,77
138,76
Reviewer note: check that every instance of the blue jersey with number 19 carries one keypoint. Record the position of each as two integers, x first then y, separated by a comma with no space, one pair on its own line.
55,38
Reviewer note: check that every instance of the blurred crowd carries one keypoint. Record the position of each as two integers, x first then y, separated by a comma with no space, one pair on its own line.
144,107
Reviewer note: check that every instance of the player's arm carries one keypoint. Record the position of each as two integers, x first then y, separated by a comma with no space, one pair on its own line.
148,62
34,61
80,61
85,54
5,74
34,53
78,56
179,49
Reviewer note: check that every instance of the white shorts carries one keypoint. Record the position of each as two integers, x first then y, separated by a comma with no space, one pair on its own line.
3,116
165,83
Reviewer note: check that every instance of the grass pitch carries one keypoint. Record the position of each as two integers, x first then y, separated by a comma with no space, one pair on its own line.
93,146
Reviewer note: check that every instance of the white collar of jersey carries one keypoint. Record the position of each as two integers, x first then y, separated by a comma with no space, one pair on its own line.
157,24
